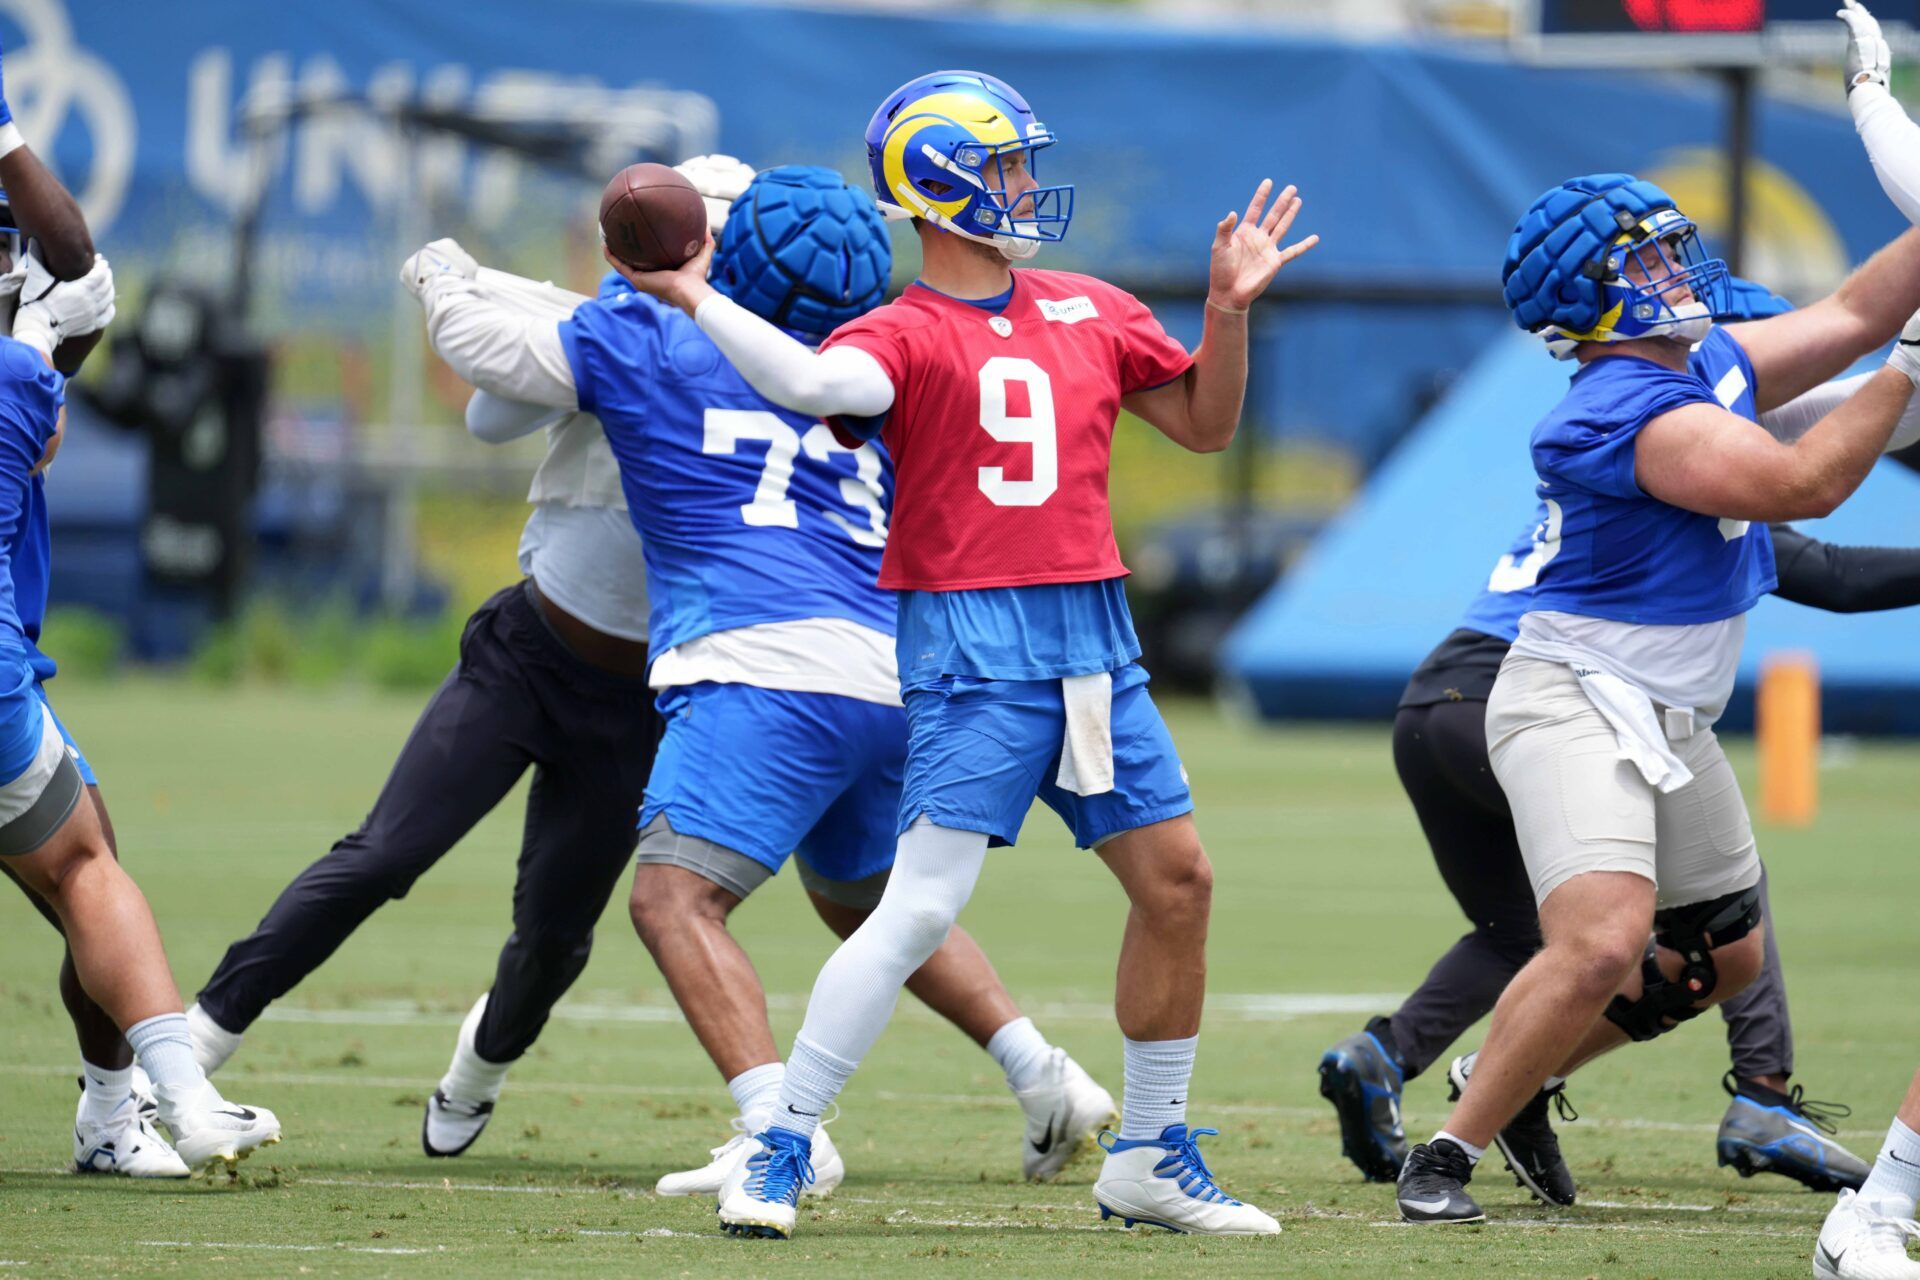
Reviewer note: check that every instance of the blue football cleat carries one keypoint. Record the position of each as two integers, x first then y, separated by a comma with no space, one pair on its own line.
1363,1082
1766,1131
759,1196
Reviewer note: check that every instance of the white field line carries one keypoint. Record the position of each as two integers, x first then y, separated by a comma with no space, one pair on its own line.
1257,1007
353,1080
280,1248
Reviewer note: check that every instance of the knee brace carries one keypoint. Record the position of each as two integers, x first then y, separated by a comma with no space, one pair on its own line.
1693,931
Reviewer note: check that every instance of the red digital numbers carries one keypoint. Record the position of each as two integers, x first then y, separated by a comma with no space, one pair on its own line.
1696,15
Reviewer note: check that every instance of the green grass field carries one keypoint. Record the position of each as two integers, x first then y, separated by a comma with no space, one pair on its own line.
1324,890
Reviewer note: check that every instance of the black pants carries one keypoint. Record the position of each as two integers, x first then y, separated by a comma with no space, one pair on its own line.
517,697
1440,752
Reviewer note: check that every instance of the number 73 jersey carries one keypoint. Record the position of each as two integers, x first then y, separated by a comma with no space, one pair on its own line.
1001,429
748,514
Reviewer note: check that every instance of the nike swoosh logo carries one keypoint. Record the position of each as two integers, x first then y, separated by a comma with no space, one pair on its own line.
1897,1160
1426,1206
811,1115
1178,1102
1041,1148
1831,1258
239,1113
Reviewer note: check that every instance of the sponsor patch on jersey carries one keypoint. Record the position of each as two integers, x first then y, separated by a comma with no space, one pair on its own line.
1067,310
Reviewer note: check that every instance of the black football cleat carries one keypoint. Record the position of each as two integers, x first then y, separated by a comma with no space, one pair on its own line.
1361,1079
1433,1185
1528,1144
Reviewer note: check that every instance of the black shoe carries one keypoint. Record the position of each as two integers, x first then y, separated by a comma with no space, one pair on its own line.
1433,1185
1528,1143
1360,1077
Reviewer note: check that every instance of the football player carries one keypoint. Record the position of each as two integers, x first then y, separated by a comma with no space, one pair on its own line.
56,840
996,391
774,650
1440,753
1599,724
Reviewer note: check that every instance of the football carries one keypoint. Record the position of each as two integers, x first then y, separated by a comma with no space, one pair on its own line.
651,218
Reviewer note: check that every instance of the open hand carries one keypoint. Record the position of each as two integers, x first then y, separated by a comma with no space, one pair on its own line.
684,286
1246,255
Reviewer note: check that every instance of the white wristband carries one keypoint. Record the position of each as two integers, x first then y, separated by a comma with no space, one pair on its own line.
11,139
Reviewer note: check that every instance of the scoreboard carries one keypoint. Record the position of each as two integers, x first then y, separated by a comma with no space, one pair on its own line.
1725,33
1690,17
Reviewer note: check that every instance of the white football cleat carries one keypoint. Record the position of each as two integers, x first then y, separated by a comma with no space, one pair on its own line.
126,1144
459,1109
1858,1244
1163,1182
759,1196
208,1130
829,1170
1065,1113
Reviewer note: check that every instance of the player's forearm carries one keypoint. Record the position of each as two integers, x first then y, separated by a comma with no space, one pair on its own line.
1893,145
47,211
1832,459
493,419
499,349
1217,384
1838,579
1883,293
843,382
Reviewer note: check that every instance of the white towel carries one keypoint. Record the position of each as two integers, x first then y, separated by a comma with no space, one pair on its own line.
1086,754
1638,730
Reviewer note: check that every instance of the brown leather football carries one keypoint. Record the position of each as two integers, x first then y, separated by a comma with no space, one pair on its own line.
651,218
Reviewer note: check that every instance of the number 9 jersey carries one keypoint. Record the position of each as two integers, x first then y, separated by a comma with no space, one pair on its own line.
1001,428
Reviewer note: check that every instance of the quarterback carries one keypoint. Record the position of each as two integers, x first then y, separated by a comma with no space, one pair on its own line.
996,392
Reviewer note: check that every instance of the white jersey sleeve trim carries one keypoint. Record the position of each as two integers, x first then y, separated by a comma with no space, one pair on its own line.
840,381
1893,145
1796,417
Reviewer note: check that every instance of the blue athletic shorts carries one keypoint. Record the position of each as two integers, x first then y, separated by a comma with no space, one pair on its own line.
73,748
979,751
769,772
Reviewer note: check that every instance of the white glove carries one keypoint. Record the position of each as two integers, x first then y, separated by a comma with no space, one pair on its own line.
1906,352
437,261
51,311
719,180
1868,58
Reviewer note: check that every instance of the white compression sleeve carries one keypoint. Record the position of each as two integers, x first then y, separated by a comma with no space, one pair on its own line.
840,381
1796,417
499,346
1893,145
933,876
493,419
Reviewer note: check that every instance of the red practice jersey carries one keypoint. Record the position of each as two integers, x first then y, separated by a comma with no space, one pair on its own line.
1001,429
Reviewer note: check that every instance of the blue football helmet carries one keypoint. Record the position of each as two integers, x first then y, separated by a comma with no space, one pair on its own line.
935,147
803,250
1604,258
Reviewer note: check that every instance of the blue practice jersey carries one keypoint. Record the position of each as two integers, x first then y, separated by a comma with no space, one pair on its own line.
31,395
748,513
1621,554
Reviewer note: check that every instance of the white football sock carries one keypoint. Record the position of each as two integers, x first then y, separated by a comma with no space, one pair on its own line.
1473,1153
165,1049
471,1078
1894,1185
1021,1051
757,1089
106,1091
213,1044
934,871
1156,1074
